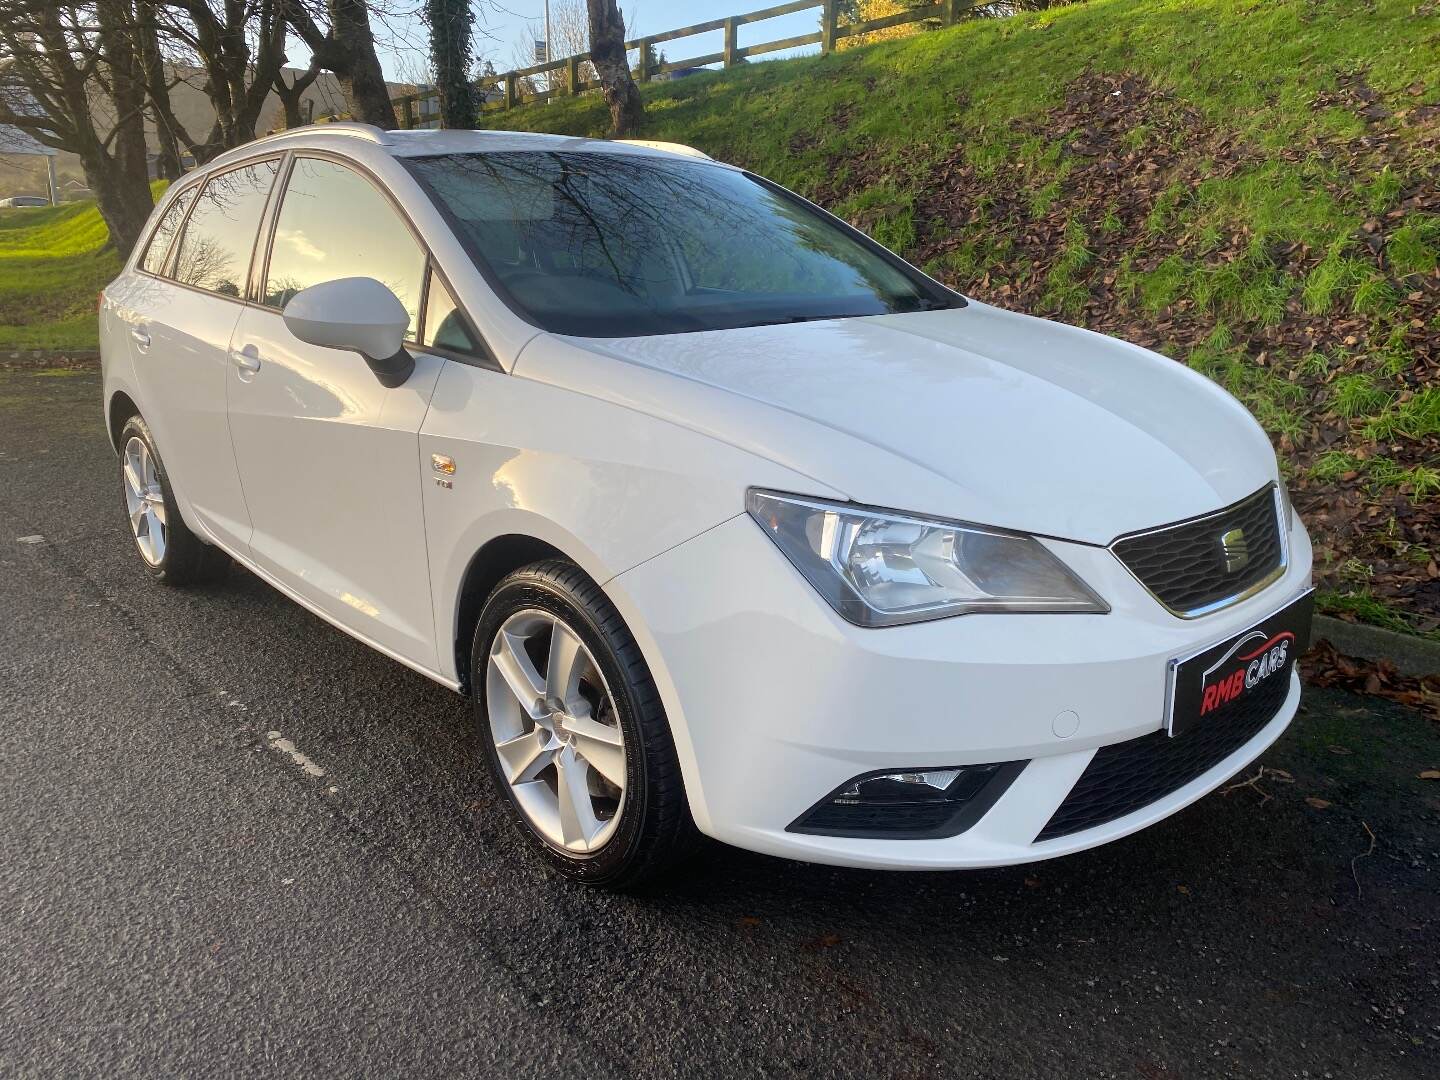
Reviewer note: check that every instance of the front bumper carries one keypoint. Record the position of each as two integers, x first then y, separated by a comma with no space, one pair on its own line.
774,700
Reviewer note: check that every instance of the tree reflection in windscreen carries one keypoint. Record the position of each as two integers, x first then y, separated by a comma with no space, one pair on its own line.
610,245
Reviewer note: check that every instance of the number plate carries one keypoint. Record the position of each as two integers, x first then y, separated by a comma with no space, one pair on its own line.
1219,675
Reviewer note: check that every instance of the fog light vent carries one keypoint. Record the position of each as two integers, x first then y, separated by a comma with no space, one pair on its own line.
910,804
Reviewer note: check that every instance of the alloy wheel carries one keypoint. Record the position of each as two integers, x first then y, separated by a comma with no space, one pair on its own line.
556,732
144,500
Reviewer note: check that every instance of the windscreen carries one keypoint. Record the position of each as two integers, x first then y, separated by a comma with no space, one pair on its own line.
611,245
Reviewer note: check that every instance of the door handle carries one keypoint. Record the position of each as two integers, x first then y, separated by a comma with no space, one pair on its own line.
246,359
140,336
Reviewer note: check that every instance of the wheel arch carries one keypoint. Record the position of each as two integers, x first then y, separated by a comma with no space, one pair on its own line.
517,546
496,557
121,407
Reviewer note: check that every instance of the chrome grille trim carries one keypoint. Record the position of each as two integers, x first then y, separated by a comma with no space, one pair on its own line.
1282,535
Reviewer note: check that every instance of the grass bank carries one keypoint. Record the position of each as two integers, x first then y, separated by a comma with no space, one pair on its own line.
1250,186
53,263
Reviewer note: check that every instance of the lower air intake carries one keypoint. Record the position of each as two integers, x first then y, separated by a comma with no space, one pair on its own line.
1124,777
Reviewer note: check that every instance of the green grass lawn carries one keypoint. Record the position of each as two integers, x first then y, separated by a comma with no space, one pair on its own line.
53,264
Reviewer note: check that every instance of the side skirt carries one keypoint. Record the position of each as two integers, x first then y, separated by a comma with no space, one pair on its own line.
285,590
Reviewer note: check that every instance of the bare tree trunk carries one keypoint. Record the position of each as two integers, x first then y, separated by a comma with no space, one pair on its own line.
169,166
147,45
450,23
127,85
50,85
241,45
123,196
123,200
347,48
607,50
362,82
292,95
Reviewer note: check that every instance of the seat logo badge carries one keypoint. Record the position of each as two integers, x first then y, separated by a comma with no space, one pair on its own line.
1236,550
445,467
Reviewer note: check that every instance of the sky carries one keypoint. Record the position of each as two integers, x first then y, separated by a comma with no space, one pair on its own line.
501,25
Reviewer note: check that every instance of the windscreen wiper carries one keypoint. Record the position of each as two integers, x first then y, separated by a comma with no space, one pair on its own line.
783,320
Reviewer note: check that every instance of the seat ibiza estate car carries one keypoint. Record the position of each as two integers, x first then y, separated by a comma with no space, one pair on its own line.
729,521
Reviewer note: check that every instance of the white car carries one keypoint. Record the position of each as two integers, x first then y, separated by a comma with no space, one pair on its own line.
728,520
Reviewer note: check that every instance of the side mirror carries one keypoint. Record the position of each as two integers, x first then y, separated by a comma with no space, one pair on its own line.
356,313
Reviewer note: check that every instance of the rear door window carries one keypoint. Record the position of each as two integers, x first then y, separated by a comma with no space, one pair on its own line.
215,249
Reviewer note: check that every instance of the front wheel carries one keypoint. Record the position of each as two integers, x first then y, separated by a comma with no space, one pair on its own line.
574,730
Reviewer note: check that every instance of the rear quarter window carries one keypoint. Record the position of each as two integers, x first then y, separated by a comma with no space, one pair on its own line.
164,234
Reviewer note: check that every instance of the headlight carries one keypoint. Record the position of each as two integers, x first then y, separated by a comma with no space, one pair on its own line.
879,568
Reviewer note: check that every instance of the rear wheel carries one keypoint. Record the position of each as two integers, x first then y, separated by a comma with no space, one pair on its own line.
574,730
170,552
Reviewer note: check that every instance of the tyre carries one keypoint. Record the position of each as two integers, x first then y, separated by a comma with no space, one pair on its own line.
169,551
574,730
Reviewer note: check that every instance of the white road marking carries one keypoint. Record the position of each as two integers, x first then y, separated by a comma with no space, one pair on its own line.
230,701
30,539
282,745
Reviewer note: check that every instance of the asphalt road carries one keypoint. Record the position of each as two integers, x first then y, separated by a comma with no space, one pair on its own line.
179,897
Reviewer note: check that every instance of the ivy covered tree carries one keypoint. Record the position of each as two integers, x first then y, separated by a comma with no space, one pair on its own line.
450,53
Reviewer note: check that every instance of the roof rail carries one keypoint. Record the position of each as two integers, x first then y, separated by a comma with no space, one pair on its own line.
356,130
667,147
368,132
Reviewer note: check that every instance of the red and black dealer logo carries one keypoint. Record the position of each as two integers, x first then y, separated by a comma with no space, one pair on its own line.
1232,675
1225,674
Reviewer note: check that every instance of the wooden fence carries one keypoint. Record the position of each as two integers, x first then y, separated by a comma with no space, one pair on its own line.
512,84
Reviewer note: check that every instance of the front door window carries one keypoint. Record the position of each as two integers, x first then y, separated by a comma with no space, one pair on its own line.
334,223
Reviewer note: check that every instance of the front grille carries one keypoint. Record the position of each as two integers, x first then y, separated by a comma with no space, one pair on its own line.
1184,565
1124,777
